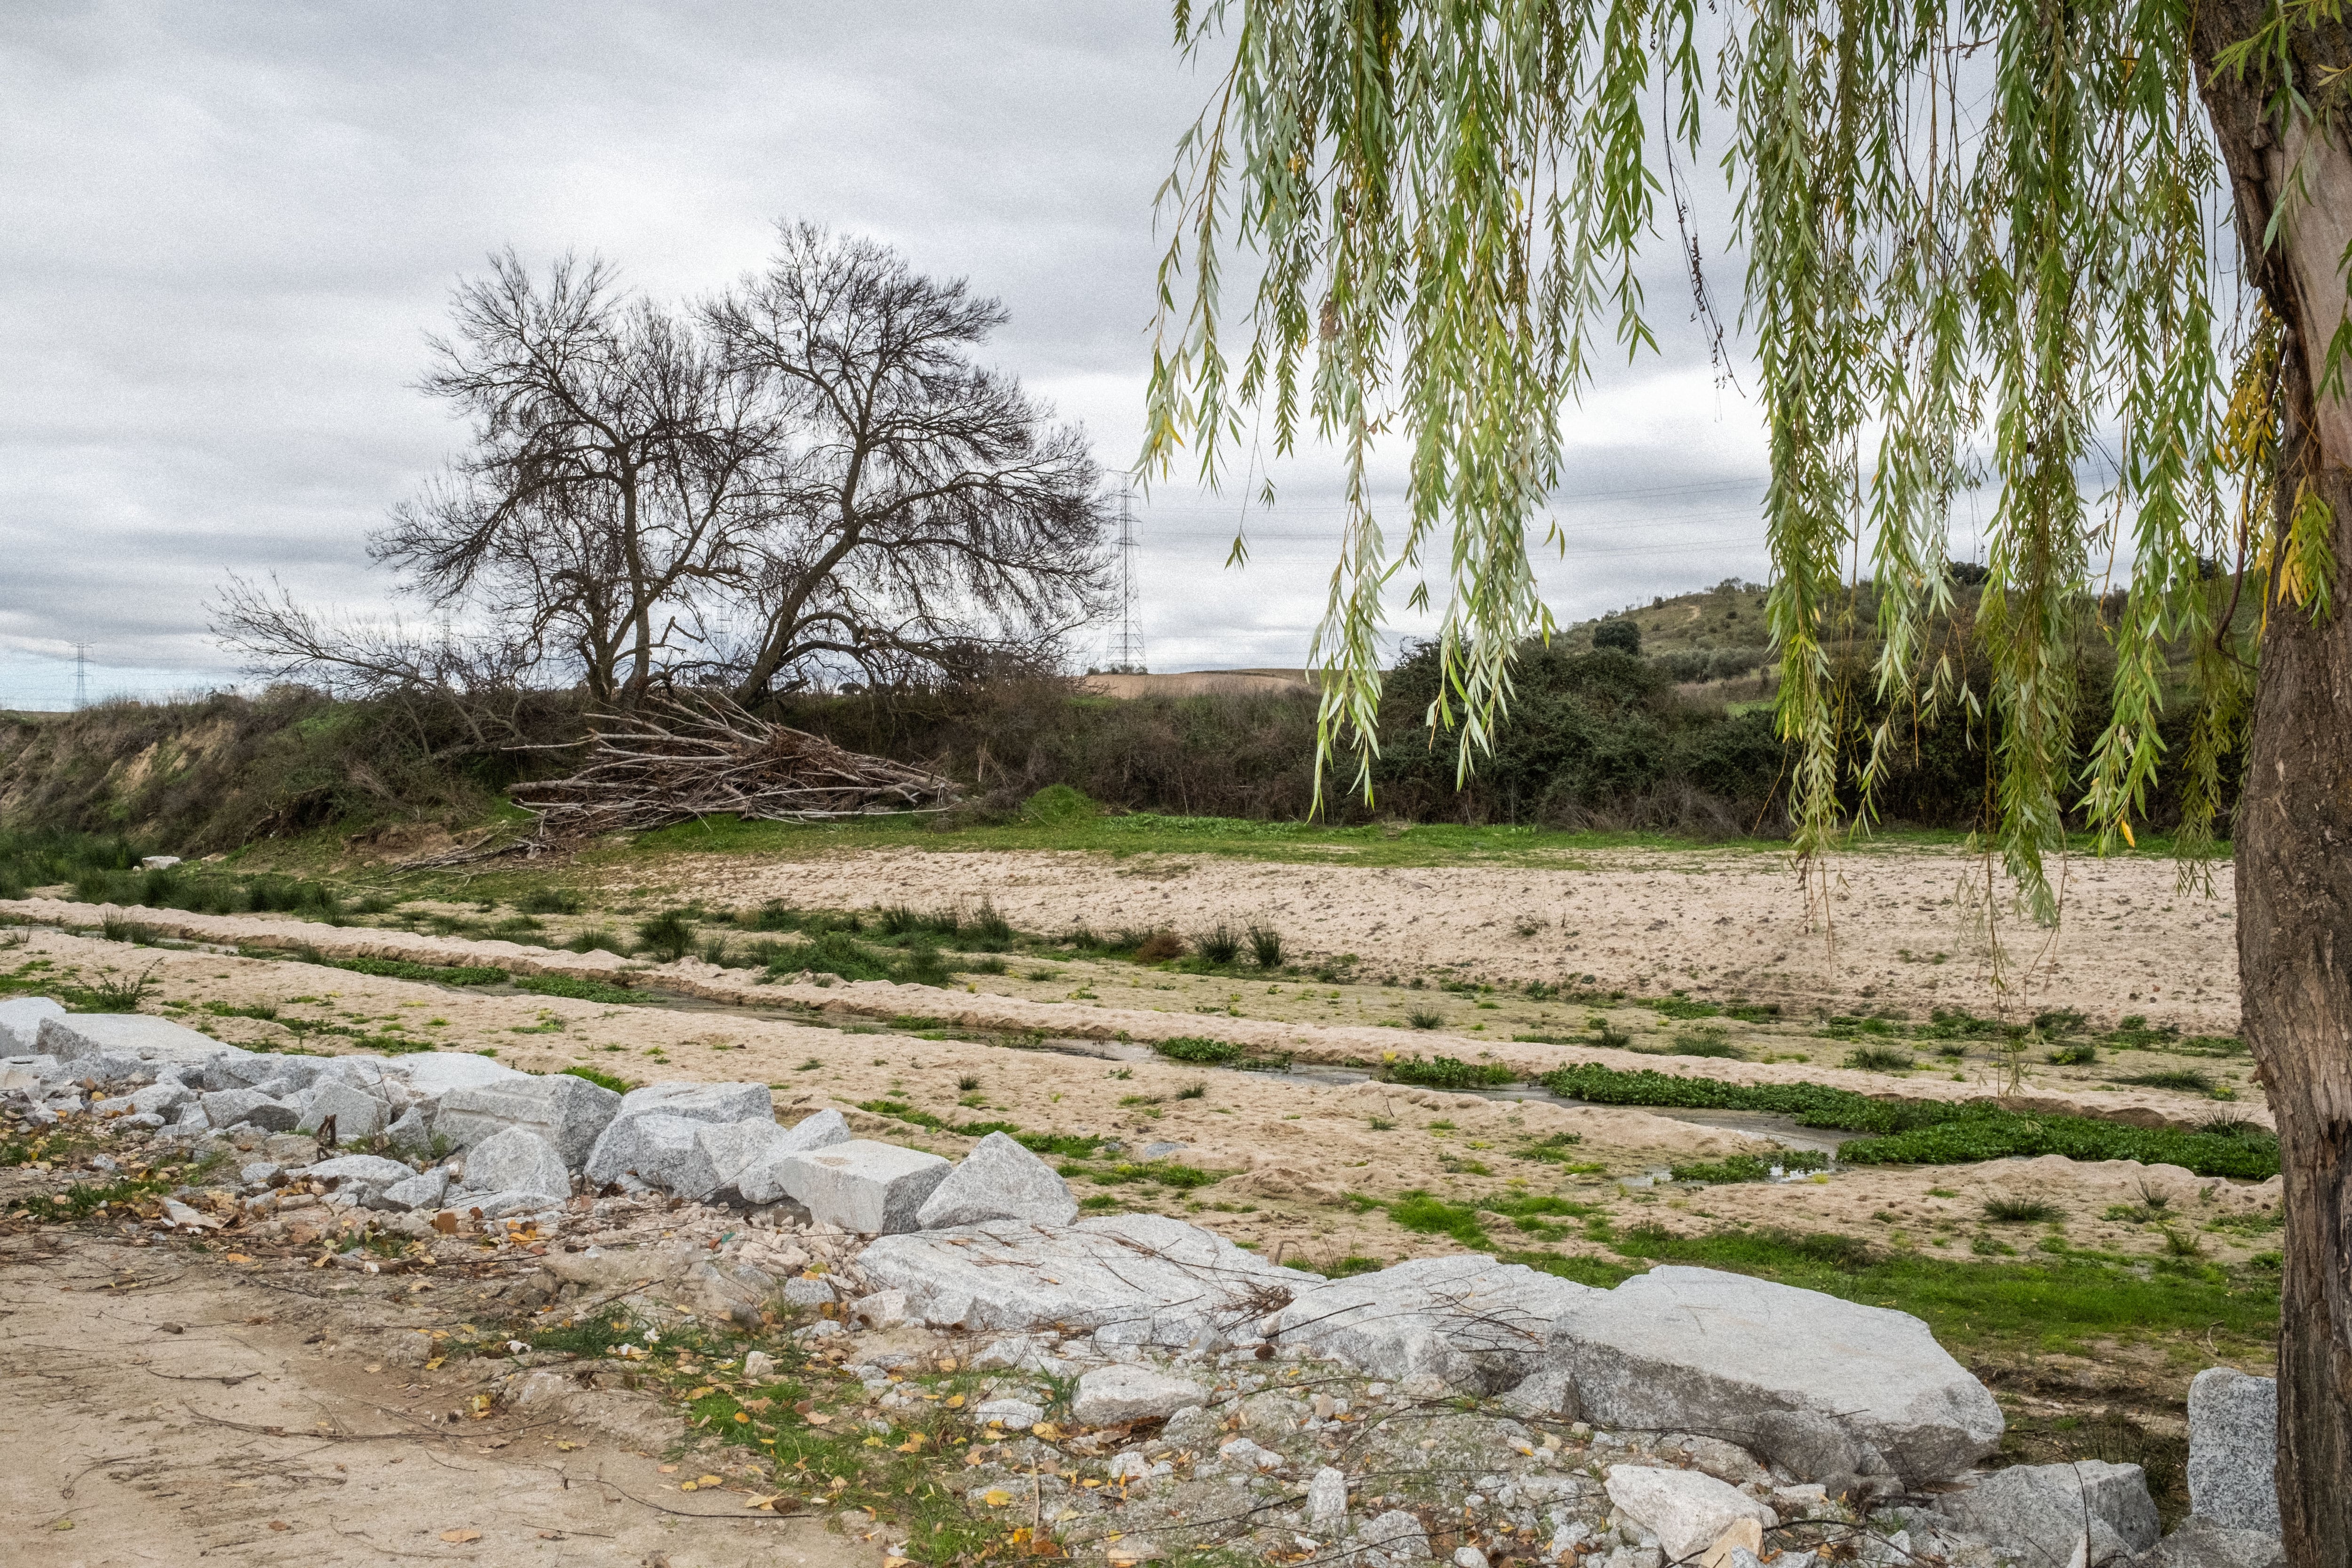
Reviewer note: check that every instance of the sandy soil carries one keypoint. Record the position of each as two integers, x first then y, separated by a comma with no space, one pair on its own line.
1287,1152
1897,930
162,1406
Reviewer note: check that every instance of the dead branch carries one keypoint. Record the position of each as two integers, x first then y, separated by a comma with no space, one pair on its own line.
679,759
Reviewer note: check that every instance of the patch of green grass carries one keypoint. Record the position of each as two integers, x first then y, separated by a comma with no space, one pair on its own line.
2188,1081
1751,1167
602,1078
1684,1007
1880,1058
1424,1018
2021,1211
579,990
435,973
1928,1133
2057,1302
1164,1172
2078,1054
1447,1072
1204,1051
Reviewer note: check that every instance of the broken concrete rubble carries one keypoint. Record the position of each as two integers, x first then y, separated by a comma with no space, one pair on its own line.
2233,1450
70,1036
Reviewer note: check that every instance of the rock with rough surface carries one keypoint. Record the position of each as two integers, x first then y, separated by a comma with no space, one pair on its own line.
759,1180
1116,1395
569,1112
68,1037
419,1192
1398,1533
999,1179
20,1023
662,1152
2044,1512
228,1106
1476,1325
356,1113
1130,1279
1821,1386
701,1101
1013,1415
516,1159
1327,1501
432,1074
412,1130
2233,1450
1687,1510
2201,1543
735,1147
361,1177
872,1188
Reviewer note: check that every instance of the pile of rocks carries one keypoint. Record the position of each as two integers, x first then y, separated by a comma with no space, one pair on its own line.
1711,1412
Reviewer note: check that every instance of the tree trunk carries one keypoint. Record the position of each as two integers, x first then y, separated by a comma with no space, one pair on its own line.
2293,827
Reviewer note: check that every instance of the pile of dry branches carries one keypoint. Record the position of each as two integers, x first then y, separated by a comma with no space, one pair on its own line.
678,759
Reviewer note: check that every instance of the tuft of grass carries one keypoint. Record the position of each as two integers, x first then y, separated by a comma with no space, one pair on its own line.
1880,1058
2080,1054
1196,1090
666,937
1424,1018
602,1078
2021,1211
1266,946
550,901
2191,1080
119,994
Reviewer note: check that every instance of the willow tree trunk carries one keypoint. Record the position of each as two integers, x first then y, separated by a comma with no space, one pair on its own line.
2293,827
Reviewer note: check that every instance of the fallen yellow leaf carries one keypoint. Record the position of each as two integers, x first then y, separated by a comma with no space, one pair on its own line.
434,1364
707,1481
459,1537
768,1503
564,1445
698,1392
998,1497
236,1257
1045,1429
688,1486
955,1401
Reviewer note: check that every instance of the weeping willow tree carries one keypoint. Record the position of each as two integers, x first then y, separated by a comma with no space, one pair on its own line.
1979,241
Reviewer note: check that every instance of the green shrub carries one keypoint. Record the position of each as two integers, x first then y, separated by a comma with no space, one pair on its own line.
1424,1018
1199,1048
1058,805
2081,1054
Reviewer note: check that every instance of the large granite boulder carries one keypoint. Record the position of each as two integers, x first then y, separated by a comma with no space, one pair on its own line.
517,1160
569,1112
2050,1513
2233,1450
71,1035
1000,1179
1129,1279
863,1185
700,1102
20,1023
1474,1323
1824,1386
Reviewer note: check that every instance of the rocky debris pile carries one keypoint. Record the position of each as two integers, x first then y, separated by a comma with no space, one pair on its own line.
1453,1405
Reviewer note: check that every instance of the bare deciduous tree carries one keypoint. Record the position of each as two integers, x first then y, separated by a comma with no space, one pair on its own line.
612,455
923,511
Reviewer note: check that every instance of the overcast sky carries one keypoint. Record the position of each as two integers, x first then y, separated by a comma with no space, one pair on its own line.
228,228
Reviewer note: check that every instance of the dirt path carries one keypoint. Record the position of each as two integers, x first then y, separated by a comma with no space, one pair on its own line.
160,1406
1901,930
